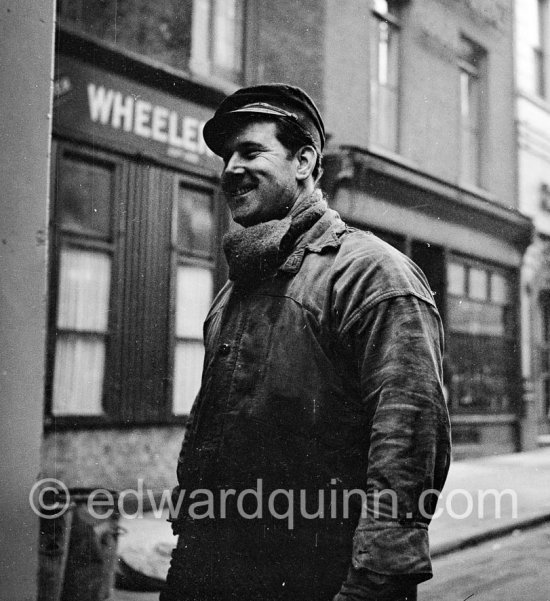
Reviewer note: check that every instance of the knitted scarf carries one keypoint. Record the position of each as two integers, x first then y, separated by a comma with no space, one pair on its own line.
254,253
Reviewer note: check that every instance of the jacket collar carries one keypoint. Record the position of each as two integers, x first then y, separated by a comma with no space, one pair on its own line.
324,234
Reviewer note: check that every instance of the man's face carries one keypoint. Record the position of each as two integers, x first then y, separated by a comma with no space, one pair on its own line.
259,178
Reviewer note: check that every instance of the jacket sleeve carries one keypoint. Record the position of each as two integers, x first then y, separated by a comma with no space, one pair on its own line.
396,345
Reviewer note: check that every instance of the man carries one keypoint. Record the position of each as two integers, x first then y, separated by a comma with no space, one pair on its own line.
320,436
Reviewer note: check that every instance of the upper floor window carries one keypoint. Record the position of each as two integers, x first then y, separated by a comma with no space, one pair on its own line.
384,74
217,38
204,36
540,48
472,83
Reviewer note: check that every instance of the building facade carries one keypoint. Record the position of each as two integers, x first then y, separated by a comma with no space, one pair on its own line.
532,49
420,105
136,223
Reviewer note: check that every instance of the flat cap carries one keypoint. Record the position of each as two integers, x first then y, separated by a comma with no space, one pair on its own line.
274,100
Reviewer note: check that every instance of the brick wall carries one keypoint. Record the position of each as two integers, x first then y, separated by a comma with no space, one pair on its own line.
290,44
113,459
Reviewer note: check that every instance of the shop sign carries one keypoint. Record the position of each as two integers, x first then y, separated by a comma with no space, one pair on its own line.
103,105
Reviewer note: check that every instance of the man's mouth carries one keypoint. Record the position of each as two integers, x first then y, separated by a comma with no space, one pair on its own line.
240,191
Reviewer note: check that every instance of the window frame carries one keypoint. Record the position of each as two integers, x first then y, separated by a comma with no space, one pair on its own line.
509,336
541,49
392,18
476,75
65,238
205,64
185,257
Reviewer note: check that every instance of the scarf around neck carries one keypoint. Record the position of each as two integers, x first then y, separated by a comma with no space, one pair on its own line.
254,253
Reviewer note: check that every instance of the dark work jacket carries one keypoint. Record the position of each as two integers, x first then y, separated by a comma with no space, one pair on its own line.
325,376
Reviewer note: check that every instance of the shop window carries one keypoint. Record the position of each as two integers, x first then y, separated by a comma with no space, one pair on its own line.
472,90
482,354
134,266
456,279
194,251
83,274
477,283
384,74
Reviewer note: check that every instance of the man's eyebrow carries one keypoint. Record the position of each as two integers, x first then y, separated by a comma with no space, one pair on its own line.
245,145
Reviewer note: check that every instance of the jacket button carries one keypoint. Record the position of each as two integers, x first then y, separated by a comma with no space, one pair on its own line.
225,349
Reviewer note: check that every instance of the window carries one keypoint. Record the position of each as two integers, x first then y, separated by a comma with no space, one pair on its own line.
134,267
471,64
482,356
205,36
217,38
193,242
540,48
84,207
384,74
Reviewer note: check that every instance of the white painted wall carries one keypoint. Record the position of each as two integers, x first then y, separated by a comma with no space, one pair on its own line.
26,48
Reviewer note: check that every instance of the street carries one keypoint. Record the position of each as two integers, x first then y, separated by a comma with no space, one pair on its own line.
513,568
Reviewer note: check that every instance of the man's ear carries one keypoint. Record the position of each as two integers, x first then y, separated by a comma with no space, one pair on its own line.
306,157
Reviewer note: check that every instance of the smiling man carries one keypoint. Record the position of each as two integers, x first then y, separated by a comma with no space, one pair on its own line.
320,437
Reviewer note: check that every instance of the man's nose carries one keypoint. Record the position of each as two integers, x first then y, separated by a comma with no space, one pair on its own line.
234,164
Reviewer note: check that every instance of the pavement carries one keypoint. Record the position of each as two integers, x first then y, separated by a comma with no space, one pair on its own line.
489,497
483,498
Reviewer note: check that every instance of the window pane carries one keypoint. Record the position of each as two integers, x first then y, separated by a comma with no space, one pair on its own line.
477,284
456,277
465,97
227,35
384,81
500,292
200,37
78,375
482,373
477,318
217,38
84,197
383,52
195,222
159,30
84,282
193,298
188,361
471,88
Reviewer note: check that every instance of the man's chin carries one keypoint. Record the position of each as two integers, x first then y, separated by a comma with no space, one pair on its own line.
245,220
242,215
